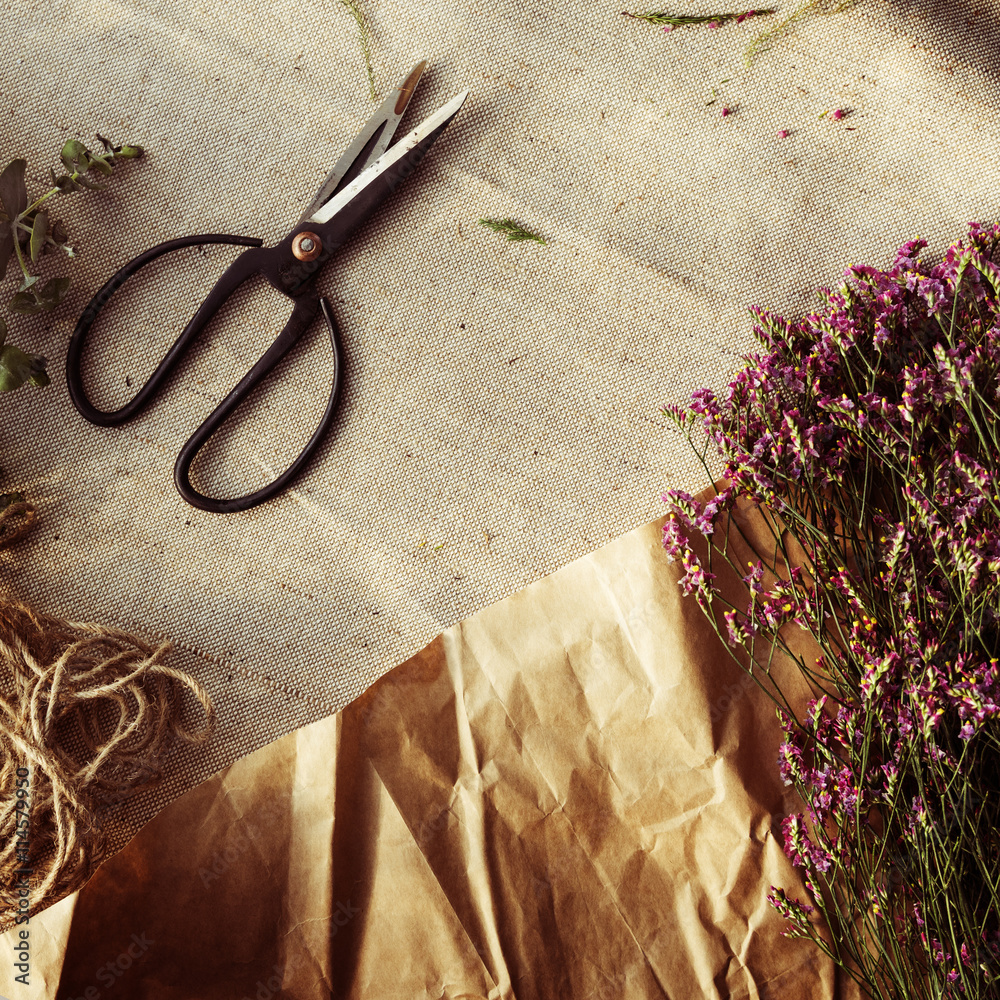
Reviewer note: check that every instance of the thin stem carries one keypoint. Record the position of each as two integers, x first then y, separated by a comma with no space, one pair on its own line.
20,259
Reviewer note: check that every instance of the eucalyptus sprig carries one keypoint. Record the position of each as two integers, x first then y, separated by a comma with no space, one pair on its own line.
509,228
18,367
27,232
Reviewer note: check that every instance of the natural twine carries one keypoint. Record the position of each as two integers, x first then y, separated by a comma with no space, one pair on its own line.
87,714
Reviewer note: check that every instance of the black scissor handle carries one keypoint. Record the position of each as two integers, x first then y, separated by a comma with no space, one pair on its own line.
244,267
255,261
303,314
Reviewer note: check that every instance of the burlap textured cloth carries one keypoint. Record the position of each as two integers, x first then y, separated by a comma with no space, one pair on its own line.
500,415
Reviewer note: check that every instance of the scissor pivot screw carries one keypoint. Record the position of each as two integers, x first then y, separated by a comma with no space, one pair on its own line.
307,246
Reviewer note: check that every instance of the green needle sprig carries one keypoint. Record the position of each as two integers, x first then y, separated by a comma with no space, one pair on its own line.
510,229
355,11
683,20
764,39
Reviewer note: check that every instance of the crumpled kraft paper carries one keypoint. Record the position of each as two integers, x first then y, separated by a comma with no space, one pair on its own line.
573,793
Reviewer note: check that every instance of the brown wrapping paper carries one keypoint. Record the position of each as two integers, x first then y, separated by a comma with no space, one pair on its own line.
572,793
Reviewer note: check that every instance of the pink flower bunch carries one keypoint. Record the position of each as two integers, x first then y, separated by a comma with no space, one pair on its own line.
871,428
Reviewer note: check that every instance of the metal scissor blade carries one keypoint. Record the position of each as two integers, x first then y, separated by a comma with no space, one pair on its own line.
375,137
361,196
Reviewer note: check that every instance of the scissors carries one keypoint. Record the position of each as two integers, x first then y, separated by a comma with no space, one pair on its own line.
362,179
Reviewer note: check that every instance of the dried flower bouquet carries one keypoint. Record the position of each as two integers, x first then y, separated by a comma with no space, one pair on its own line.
867,432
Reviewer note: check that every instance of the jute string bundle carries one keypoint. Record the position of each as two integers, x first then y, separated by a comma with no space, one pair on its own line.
87,716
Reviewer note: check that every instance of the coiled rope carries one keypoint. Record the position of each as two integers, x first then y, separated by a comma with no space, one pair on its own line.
87,716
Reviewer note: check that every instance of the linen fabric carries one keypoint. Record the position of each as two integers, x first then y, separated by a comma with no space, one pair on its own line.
501,409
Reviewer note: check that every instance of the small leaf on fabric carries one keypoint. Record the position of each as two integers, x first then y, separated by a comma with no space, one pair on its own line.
101,165
18,367
511,230
75,156
25,304
39,230
13,192
53,292
65,183
89,184
3,331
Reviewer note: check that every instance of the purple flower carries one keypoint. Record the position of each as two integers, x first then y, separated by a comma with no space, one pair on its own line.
794,911
866,428
754,579
933,292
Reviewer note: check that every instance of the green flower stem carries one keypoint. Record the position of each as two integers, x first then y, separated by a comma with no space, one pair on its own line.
109,160
38,202
20,257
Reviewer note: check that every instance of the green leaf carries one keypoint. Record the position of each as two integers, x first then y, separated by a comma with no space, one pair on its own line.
25,304
53,292
3,330
39,231
6,499
89,184
101,165
75,156
18,367
64,183
6,248
28,282
71,150
13,193
125,152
